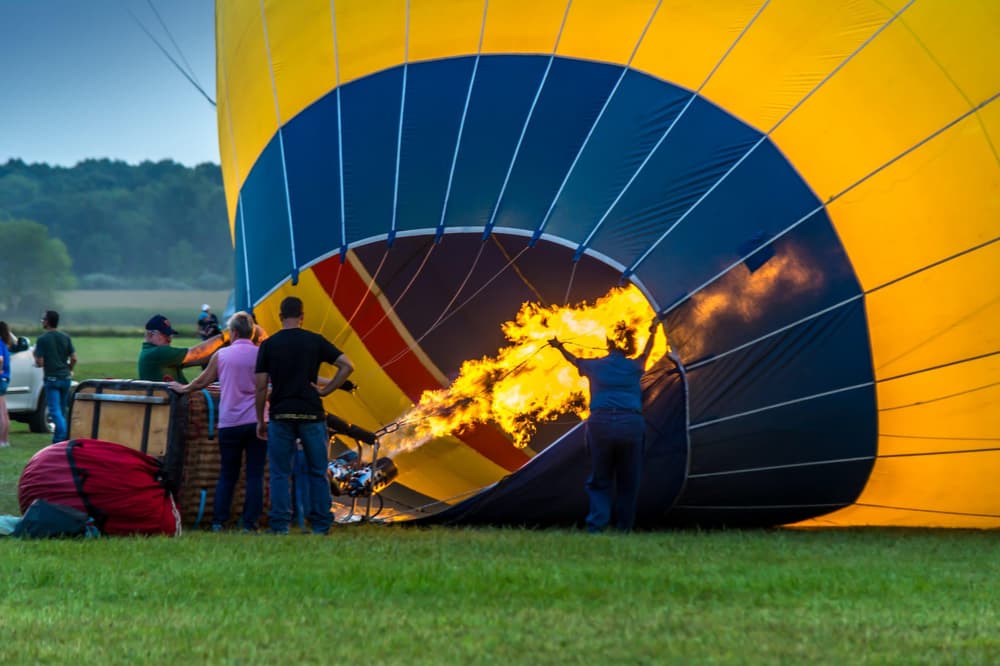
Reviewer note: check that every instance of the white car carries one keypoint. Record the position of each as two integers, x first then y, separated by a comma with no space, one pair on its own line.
26,393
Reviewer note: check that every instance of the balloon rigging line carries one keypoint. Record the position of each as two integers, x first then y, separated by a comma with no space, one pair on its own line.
947,75
371,281
920,454
400,354
938,437
694,95
461,125
487,283
569,284
835,391
224,67
483,286
833,198
467,493
330,305
240,210
173,41
243,236
938,511
281,144
928,338
785,403
820,313
960,361
480,289
593,127
936,263
406,350
171,58
520,274
632,268
840,390
717,357
340,133
771,468
527,121
288,207
757,507
385,312
461,287
399,131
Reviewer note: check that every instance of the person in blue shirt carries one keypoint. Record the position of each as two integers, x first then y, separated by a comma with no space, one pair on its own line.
4,381
616,429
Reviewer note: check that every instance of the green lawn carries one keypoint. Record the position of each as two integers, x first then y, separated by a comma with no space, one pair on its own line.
122,310
115,358
393,595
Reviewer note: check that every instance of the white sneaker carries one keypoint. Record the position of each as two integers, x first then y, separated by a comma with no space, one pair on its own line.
4,445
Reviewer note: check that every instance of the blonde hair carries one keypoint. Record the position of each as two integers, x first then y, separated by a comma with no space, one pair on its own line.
241,324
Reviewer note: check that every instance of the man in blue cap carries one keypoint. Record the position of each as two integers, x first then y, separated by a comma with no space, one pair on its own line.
159,362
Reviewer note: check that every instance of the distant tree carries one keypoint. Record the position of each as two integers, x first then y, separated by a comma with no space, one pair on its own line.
34,270
117,220
183,260
17,190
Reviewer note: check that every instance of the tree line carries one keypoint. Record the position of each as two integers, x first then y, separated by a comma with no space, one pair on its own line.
106,224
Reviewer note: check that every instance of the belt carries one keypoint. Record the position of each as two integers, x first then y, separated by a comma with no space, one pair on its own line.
615,410
296,417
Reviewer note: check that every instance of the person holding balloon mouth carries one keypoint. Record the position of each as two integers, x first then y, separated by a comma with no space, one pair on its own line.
616,429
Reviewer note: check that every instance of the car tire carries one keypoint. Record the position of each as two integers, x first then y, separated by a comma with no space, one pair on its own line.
38,420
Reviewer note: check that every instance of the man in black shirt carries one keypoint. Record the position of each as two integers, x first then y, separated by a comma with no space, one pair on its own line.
291,359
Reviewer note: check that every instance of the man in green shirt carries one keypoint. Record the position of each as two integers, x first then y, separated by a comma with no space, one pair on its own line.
55,353
159,362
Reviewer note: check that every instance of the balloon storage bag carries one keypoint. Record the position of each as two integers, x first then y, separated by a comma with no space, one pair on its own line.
178,430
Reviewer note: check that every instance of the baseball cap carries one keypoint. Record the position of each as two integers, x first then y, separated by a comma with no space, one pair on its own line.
161,324
206,307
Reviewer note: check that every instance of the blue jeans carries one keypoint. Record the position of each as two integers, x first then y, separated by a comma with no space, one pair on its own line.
233,442
615,441
57,399
300,482
281,436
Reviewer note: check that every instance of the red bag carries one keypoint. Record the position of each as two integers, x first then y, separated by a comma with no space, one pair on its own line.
122,489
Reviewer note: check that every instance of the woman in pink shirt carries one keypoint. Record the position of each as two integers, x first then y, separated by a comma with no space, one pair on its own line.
233,367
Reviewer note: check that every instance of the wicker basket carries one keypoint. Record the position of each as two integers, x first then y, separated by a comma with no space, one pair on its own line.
202,465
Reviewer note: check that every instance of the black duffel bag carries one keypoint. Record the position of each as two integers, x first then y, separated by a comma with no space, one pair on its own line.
45,520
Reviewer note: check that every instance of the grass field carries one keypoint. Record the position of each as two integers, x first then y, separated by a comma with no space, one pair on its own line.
104,310
116,358
394,595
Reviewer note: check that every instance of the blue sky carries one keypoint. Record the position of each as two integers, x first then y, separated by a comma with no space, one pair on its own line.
81,79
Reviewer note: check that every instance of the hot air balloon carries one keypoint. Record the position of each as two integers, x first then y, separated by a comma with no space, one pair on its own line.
808,192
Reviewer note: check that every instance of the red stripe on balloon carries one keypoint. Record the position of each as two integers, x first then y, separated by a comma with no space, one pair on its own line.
408,372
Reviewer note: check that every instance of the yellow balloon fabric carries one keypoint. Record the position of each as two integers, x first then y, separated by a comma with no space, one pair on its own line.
667,143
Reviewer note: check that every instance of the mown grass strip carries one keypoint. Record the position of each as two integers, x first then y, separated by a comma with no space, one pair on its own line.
403,595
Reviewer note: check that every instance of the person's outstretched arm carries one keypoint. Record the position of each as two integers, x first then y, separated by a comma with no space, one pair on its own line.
653,325
207,376
200,352
554,342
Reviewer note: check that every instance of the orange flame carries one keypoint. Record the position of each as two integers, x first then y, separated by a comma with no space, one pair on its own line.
527,382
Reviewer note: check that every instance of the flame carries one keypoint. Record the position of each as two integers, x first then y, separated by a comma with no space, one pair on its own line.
527,382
